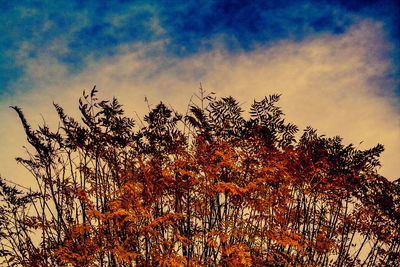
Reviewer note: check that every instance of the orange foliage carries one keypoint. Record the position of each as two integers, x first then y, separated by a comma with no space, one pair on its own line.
210,188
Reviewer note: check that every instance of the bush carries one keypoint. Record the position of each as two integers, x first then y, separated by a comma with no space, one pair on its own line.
207,188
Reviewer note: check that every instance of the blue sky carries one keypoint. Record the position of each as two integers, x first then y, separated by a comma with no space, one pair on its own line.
70,30
339,56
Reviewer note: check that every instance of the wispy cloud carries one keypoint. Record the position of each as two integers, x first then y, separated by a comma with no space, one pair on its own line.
70,30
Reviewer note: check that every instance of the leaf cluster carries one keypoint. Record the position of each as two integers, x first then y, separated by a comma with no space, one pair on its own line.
205,188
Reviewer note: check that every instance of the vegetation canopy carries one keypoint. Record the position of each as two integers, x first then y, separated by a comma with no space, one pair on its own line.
205,189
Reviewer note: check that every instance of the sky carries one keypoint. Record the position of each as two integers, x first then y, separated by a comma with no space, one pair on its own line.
336,63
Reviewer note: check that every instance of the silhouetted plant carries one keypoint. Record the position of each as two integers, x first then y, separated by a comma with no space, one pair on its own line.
208,188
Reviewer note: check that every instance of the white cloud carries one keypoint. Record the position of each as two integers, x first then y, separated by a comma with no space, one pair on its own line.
331,82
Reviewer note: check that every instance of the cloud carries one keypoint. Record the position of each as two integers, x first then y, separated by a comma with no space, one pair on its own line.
339,84
101,27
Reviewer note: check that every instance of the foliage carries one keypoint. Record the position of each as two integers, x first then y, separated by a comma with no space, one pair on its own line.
207,188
